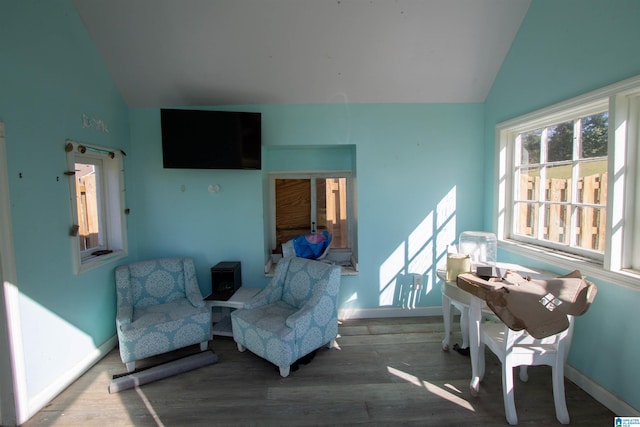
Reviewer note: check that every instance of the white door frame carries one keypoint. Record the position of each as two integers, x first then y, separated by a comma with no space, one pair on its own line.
12,397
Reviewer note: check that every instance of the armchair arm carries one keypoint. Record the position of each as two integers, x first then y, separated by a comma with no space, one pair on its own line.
191,288
124,307
322,306
319,307
123,317
270,294
301,317
273,291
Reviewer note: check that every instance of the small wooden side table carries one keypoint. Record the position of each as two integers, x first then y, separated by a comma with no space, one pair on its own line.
237,300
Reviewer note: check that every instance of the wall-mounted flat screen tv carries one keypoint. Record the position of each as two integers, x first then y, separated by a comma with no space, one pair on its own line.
202,139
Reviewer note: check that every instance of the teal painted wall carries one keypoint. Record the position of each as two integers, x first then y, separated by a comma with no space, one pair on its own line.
565,49
408,159
50,75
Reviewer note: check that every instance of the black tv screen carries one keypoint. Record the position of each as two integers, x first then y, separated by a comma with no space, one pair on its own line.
202,139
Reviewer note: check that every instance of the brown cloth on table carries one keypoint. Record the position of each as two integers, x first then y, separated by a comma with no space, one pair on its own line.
540,306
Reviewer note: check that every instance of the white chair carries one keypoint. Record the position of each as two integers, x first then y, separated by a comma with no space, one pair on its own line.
518,348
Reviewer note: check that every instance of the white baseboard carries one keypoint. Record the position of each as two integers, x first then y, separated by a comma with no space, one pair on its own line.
383,312
55,388
616,405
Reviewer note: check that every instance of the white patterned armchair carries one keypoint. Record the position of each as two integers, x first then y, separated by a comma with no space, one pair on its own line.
295,314
160,309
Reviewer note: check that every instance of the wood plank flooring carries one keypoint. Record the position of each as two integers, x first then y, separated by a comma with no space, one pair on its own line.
385,372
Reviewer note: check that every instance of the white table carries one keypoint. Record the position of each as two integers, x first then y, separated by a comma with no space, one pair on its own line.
460,299
237,300
452,294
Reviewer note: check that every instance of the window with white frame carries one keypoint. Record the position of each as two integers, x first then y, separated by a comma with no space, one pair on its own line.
97,201
307,202
567,176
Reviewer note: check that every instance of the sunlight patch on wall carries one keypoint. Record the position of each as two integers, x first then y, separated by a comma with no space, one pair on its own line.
349,307
421,265
409,272
446,226
420,255
446,208
352,298
421,262
51,346
392,266
420,236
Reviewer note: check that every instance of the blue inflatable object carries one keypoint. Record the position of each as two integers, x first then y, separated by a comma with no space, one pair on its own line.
312,246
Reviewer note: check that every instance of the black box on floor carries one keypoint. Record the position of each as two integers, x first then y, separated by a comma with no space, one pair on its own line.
225,280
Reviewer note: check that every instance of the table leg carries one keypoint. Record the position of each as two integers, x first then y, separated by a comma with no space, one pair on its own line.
475,316
446,317
464,326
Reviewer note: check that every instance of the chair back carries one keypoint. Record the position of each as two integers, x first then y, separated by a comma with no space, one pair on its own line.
307,277
157,281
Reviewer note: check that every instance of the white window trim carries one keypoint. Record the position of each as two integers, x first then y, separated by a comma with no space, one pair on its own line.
623,99
114,197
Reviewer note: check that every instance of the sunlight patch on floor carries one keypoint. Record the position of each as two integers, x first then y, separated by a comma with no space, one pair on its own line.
432,388
149,406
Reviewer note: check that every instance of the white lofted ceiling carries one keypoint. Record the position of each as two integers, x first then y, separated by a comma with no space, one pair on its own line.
216,52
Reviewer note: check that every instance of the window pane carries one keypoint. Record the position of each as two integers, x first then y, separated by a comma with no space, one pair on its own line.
590,232
334,214
592,182
526,219
293,209
530,147
556,223
595,135
87,202
322,192
560,142
529,184
558,183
